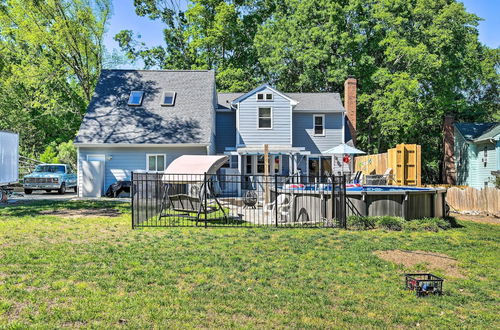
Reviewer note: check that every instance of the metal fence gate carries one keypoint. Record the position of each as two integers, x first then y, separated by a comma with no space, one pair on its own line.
172,200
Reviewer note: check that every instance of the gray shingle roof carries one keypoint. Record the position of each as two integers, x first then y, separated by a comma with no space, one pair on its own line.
307,101
224,99
490,134
472,131
110,120
317,101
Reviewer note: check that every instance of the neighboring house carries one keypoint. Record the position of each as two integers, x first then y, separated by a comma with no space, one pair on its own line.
142,120
476,153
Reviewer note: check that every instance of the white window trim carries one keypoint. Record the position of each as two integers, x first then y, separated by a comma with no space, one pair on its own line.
323,124
255,163
164,164
163,99
140,101
264,98
258,117
319,156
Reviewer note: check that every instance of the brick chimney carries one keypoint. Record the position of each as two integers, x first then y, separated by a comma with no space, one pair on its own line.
449,173
350,86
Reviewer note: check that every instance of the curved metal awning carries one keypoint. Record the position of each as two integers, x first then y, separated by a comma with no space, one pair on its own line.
192,168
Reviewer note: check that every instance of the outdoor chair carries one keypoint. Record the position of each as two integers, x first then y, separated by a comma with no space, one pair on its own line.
284,203
388,177
357,177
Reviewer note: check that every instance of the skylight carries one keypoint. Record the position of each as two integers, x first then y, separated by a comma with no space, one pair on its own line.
168,98
135,97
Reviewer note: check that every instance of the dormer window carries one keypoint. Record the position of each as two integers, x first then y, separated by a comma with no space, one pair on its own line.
135,98
264,96
168,98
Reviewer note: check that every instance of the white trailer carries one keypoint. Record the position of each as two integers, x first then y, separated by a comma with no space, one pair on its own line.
9,158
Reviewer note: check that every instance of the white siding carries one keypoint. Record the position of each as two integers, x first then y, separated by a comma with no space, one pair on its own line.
120,162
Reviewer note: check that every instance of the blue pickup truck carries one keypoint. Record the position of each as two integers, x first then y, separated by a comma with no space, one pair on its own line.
50,177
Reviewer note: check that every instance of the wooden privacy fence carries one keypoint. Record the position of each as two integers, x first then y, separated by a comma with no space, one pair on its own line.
471,199
404,160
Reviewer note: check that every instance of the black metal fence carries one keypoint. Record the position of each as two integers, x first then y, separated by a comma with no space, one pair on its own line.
166,200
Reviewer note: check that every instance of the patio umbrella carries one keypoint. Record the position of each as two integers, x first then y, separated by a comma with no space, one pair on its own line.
344,149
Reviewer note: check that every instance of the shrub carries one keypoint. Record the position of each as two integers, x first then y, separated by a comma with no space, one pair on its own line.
360,223
49,156
396,223
66,152
427,224
421,225
390,223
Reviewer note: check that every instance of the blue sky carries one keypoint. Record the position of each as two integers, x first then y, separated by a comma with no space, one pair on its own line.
124,18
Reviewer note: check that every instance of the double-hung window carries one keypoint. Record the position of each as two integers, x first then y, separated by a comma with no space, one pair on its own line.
319,125
274,164
265,117
155,162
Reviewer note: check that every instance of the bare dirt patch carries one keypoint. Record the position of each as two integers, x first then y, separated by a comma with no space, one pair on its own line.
432,260
81,213
481,218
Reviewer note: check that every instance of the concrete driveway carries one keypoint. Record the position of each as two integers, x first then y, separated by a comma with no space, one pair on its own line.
53,196
42,195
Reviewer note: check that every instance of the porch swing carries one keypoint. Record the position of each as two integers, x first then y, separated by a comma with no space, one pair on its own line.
195,173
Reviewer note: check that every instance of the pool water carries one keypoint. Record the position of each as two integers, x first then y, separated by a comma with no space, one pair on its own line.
362,188
386,188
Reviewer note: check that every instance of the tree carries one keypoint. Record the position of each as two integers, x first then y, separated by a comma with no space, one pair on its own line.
50,59
66,153
209,34
49,156
415,61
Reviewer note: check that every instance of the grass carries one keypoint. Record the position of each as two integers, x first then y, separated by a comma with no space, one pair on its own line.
96,272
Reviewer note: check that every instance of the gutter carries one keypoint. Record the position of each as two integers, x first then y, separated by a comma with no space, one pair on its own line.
139,145
491,140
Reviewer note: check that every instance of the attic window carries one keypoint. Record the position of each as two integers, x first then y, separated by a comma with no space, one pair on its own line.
168,98
264,96
135,98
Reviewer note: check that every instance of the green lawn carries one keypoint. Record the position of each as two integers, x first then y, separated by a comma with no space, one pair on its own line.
97,272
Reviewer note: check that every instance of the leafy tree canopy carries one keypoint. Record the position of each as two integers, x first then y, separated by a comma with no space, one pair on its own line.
50,58
415,60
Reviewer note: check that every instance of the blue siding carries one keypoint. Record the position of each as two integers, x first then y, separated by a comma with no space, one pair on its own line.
303,132
225,130
471,169
462,159
120,162
480,175
498,155
249,132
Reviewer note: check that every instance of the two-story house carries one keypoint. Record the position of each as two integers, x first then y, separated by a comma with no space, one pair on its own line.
143,119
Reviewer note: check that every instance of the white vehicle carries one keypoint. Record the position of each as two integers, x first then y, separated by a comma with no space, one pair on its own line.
9,161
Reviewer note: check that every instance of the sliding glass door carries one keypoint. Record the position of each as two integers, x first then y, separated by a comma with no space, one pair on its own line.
320,167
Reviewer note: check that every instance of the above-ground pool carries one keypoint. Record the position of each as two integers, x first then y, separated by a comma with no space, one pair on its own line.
315,201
